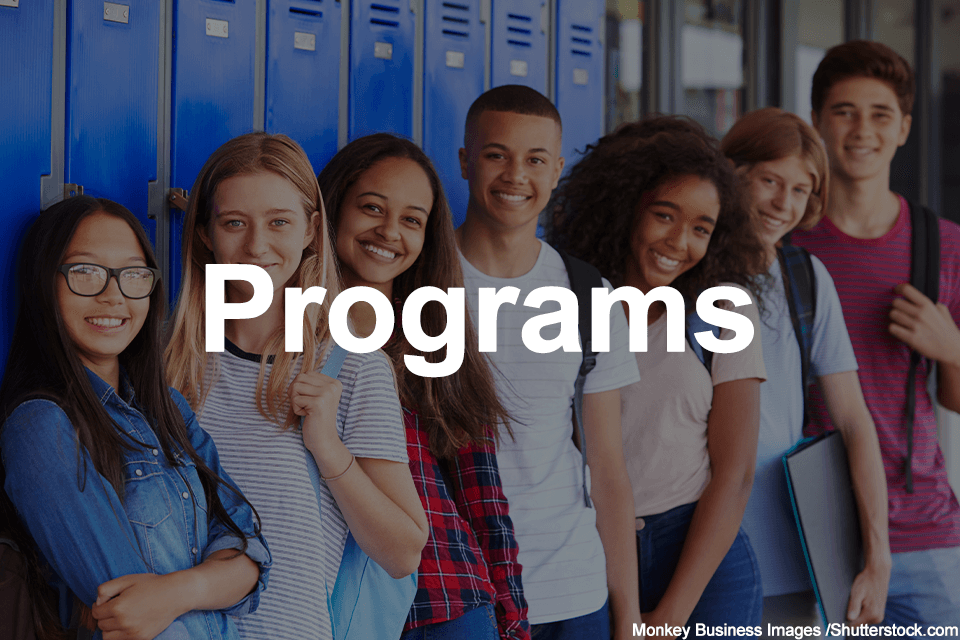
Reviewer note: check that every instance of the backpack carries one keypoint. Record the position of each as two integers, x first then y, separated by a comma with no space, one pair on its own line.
362,585
925,276
583,278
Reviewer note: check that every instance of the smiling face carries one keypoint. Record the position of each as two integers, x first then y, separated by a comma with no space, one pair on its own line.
383,219
861,125
512,163
259,219
778,191
102,326
671,234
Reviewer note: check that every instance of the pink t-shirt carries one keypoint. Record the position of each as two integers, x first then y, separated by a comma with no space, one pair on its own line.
865,272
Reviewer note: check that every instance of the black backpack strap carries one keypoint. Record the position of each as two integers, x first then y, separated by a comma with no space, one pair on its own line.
694,325
800,287
583,278
925,276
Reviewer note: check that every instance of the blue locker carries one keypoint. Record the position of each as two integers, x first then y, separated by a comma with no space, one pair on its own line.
214,51
381,67
579,79
303,74
26,47
113,61
519,47
454,52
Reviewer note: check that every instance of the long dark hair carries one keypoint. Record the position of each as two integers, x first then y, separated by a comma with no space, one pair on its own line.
457,409
43,363
595,205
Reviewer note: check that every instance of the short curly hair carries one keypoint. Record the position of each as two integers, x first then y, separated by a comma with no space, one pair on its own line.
595,206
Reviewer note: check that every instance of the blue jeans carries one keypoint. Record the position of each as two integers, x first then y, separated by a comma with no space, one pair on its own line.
734,594
592,625
925,588
478,624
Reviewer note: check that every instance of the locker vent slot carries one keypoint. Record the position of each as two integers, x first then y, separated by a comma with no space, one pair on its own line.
383,15
519,30
456,19
580,43
306,12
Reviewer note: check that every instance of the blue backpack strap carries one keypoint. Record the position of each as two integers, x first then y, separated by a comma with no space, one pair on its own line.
583,278
800,286
925,276
694,325
362,585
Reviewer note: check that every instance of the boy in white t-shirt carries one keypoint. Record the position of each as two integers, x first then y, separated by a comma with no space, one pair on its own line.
574,557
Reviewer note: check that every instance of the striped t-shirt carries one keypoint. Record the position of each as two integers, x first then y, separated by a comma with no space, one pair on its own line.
270,467
865,272
564,567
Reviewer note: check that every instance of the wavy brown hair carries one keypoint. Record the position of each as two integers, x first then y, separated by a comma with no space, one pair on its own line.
772,134
595,205
458,409
186,355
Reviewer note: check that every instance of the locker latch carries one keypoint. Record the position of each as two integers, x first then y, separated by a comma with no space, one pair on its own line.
10,3
179,198
70,190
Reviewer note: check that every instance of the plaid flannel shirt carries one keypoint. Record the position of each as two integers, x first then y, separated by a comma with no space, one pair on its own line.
474,560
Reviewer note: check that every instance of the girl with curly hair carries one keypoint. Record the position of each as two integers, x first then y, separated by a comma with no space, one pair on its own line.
656,204
784,165
393,231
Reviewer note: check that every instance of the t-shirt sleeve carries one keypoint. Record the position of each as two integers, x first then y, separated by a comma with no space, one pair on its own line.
369,416
616,368
950,267
746,363
832,351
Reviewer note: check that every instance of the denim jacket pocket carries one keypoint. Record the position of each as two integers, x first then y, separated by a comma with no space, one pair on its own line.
146,499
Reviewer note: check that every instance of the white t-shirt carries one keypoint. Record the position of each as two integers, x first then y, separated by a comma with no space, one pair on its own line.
564,570
769,519
270,467
665,418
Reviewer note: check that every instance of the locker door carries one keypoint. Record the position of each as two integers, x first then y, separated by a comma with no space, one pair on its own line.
381,67
113,59
519,48
26,48
303,74
453,68
214,47
579,78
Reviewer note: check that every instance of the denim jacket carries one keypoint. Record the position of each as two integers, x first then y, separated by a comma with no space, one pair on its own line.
90,535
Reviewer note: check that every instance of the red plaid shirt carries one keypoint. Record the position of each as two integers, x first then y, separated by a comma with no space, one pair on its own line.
474,559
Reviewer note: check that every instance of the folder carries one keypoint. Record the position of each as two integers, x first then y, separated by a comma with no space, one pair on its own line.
825,508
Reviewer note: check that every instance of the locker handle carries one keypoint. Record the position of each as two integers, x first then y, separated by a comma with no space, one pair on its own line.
544,18
484,11
179,198
71,190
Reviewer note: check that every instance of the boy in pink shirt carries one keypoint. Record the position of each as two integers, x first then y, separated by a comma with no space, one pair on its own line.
862,98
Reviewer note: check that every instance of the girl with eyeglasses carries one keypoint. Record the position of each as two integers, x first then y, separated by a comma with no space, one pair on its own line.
111,489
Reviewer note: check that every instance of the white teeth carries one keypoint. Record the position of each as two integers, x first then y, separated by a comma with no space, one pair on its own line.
510,198
108,323
380,252
772,222
666,262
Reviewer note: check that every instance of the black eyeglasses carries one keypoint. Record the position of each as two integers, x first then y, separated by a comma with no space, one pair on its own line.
85,279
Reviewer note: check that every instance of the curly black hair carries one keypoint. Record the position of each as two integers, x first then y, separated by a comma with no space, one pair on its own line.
595,206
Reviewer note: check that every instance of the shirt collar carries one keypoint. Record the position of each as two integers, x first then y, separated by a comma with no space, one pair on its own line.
105,392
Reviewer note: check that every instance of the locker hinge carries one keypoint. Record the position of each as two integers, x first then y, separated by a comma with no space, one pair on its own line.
70,190
179,198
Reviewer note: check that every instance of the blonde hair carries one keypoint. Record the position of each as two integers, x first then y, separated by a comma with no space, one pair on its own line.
771,134
185,354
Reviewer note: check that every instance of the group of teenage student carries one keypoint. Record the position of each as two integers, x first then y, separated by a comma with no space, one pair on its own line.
143,510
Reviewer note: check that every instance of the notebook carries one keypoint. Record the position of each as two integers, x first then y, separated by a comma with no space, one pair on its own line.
818,479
